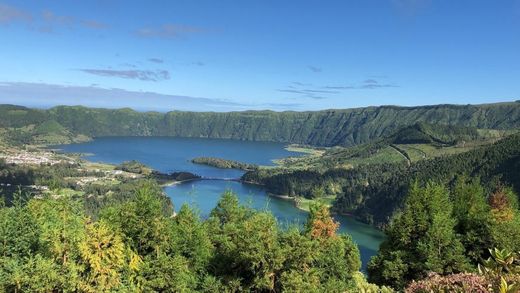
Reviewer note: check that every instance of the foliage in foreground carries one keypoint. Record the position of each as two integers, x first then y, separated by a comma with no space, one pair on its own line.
50,245
499,273
441,236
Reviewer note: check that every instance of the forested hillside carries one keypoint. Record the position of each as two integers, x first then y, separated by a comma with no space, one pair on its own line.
320,128
409,144
373,191
499,162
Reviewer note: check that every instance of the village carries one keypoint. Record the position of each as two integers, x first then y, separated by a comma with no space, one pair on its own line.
91,172
33,158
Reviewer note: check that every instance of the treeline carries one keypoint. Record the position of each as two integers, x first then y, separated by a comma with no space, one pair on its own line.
374,191
443,236
438,242
51,245
224,164
320,128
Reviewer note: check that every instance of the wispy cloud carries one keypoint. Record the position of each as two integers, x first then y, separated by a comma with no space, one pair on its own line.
45,95
94,24
306,90
369,84
290,91
320,91
52,20
317,97
156,60
50,17
301,83
10,14
315,69
308,93
168,31
128,65
46,21
339,87
146,75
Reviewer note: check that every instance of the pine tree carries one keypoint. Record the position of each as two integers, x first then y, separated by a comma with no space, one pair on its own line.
103,253
191,239
472,213
246,244
421,239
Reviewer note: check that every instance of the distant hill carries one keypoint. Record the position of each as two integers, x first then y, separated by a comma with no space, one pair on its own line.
18,116
319,128
21,125
422,132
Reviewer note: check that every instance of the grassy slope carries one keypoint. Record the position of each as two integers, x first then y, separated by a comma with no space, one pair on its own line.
414,143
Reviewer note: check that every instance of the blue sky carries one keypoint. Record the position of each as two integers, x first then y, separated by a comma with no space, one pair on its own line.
259,54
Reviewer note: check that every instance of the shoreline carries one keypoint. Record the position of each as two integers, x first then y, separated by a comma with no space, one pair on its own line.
288,198
293,199
172,183
305,150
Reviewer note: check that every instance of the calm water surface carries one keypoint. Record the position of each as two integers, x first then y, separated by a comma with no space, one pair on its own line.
168,154
174,154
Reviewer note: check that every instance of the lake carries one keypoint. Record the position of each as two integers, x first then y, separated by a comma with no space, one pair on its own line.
168,154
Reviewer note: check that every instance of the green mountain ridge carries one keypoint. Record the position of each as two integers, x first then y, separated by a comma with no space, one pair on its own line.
345,127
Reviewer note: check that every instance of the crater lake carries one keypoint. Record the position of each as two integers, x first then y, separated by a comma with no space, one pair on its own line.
170,154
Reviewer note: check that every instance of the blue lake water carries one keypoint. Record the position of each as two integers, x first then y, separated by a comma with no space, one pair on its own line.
168,154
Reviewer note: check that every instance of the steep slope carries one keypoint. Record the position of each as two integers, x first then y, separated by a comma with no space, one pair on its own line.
320,128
